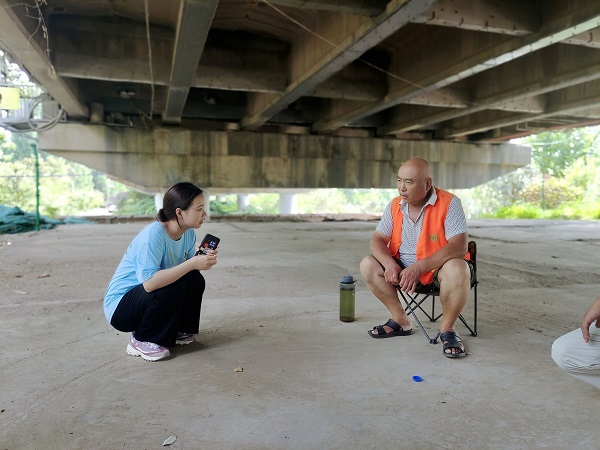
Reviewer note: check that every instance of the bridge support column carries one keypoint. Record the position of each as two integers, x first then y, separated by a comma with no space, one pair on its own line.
288,203
243,200
158,200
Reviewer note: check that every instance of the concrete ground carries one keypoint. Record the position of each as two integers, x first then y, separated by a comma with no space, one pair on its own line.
309,381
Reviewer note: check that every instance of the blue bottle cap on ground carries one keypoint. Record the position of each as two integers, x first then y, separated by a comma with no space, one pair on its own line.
417,378
347,279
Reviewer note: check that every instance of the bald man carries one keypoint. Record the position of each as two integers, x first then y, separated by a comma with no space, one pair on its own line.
421,239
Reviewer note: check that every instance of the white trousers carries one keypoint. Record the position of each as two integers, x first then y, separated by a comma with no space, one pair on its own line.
577,357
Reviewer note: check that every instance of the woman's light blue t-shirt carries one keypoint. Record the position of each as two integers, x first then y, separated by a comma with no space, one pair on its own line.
150,251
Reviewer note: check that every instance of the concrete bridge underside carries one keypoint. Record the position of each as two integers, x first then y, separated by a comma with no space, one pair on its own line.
246,161
255,95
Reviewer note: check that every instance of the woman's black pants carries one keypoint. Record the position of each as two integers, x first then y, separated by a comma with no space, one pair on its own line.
159,315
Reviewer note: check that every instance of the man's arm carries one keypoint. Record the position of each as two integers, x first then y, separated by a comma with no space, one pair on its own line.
379,249
591,315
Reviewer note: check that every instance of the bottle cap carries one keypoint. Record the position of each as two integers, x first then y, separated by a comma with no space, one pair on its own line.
347,279
417,378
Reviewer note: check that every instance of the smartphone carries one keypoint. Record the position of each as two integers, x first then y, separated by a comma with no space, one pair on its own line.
209,242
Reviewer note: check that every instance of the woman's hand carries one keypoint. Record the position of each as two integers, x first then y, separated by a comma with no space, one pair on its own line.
205,261
164,277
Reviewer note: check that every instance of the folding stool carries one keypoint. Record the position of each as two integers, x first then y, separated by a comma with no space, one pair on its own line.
414,301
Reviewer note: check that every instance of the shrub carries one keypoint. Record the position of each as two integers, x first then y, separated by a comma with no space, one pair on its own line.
136,204
519,211
223,207
555,192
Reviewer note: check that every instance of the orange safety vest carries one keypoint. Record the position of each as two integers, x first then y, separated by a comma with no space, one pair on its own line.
432,237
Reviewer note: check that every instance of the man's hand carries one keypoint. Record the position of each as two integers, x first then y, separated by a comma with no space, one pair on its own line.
410,277
392,274
592,315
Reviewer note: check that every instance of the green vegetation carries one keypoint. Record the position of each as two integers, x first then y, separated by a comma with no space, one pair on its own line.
563,181
65,188
318,201
345,201
564,211
258,204
135,203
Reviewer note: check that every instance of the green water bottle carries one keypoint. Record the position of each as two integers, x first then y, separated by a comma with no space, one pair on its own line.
347,292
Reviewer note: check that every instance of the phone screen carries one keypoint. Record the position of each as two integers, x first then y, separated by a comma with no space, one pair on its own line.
209,242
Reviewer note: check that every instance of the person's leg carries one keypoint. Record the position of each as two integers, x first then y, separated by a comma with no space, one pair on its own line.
455,284
579,358
189,315
130,310
152,316
372,273
454,279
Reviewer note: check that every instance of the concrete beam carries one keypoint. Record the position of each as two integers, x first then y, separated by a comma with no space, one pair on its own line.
118,51
103,57
340,88
534,104
359,7
152,160
568,101
442,98
590,38
193,23
230,78
25,39
96,67
313,61
509,17
475,54
508,84
116,26
211,77
93,67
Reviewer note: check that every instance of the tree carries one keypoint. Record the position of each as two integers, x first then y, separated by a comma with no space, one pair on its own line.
564,169
553,152
65,188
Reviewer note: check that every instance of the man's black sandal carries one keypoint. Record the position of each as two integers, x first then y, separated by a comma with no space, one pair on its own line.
396,330
451,340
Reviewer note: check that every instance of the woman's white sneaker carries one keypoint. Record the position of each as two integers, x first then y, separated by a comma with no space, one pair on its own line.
147,350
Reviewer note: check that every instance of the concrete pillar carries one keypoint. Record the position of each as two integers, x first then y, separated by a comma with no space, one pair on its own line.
288,203
243,200
158,200
206,203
